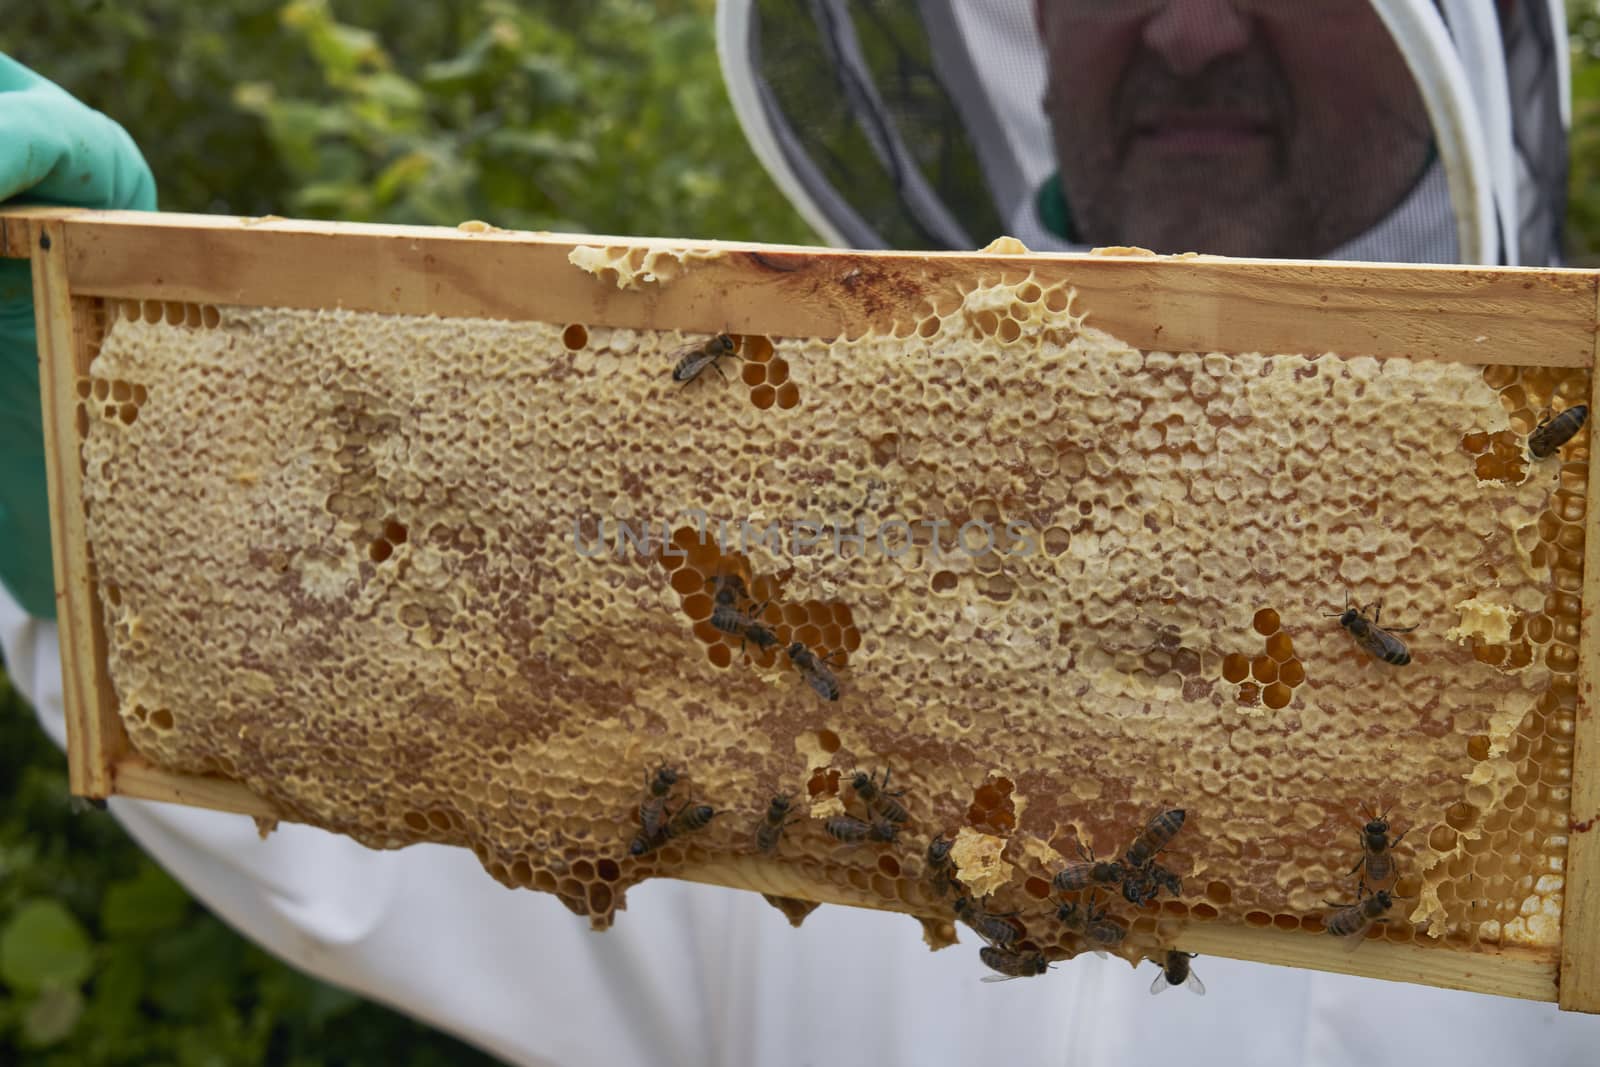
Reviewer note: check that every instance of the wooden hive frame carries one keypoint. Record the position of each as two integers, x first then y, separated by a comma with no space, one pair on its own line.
1470,315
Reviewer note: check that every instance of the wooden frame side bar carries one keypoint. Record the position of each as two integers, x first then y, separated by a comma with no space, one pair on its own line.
95,736
1580,926
1524,316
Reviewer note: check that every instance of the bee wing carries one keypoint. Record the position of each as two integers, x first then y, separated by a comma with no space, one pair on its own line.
1197,987
1352,941
1160,984
690,360
1372,641
999,977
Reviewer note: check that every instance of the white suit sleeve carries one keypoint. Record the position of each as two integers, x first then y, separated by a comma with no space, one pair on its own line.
695,975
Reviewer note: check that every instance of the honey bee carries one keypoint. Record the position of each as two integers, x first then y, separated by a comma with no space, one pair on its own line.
998,930
1175,971
727,616
1081,874
878,798
1374,639
1377,851
1101,930
652,810
941,871
1352,921
1140,885
692,359
1012,964
1153,838
1552,433
815,670
773,823
851,830
689,818
1091,922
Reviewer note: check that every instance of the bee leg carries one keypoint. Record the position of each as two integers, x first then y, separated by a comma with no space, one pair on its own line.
1396,841
1401,629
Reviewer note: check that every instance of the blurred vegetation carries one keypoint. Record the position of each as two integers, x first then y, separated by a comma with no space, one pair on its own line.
606,116
1583,184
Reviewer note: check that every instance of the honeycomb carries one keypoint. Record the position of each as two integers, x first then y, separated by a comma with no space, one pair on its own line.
449,580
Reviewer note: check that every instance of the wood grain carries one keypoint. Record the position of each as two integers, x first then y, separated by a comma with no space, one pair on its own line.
136,777
1580,927
1528,974
1520,316
95,737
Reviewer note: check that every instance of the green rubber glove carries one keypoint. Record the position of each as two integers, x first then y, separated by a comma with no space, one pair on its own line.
53,150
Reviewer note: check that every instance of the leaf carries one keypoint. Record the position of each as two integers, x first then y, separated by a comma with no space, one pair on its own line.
147,903
52,1015
538,145
43,945
452,72
392,91
118,987
191,972
406,170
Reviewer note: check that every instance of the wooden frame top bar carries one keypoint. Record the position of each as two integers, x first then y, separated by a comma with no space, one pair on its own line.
1522,316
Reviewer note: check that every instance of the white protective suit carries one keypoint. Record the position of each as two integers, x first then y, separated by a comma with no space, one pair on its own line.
693,975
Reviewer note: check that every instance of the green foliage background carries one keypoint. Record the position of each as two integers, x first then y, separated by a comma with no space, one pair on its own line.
605,116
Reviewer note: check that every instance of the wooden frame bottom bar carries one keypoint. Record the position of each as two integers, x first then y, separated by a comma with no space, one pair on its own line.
1524,973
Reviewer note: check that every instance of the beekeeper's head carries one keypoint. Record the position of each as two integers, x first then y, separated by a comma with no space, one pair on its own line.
1238,127
1401,130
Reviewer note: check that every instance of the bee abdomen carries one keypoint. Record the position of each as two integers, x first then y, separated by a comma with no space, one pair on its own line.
1105,932
1394,652
826,688
847,828
1073,878
690,819
1549,436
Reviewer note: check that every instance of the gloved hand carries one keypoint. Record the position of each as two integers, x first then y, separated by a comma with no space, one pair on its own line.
53,150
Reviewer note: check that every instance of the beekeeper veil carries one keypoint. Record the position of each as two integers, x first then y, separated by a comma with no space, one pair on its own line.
1397,130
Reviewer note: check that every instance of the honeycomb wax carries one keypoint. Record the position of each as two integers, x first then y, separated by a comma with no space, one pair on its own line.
417,579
